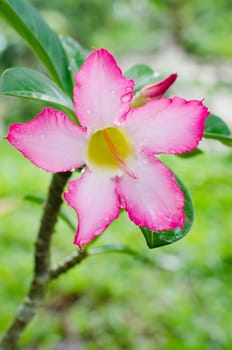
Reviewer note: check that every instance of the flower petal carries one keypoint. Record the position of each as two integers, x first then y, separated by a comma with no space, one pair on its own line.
102,95
50,141
154,199
166,125
94,199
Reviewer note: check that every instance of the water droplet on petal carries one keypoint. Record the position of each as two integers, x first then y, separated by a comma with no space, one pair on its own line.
123,202
126,97
98,231
88,111
112,92
117,123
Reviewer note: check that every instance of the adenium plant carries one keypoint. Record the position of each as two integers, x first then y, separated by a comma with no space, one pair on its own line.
112,126
119,146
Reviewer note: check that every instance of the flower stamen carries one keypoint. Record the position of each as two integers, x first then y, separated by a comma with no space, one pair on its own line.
116,154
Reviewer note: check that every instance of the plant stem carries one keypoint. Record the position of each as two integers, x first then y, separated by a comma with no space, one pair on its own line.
68,263
39,283
43,273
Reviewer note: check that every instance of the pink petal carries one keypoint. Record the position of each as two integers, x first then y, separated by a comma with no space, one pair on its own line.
167,125
50,141
94,199
102,95
154,199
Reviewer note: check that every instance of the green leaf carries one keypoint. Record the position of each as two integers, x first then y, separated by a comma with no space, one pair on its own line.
119,248
216,125
226,140
75,54
28,23
142,74
217,129
157,239
27,83
195,152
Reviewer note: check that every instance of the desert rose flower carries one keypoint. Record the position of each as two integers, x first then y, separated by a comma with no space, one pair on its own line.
119,146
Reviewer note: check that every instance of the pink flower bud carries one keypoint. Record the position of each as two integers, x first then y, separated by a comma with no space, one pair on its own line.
153,92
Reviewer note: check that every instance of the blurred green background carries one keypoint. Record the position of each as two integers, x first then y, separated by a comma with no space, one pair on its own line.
112,301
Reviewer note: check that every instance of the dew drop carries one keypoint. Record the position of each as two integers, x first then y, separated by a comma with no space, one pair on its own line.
112,92
17,128
123,203
98,231
126,98
88,111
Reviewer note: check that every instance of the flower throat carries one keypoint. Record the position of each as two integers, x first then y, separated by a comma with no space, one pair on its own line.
110,148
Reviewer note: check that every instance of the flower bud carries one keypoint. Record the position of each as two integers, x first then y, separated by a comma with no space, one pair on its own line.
153,92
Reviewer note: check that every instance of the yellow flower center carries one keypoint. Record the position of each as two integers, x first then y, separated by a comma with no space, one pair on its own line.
109,148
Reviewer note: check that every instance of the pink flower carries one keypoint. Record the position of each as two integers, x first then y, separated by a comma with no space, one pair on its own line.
119,146
153,92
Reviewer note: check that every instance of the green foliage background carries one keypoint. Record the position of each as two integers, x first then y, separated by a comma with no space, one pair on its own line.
113,302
